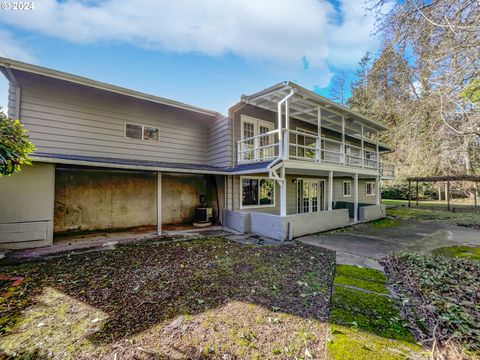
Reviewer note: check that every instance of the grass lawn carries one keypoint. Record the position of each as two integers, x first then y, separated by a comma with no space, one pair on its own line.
207,298
430,210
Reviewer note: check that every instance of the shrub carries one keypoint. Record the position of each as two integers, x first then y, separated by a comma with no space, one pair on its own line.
15,146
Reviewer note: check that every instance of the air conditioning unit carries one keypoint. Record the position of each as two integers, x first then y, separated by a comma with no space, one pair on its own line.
203,216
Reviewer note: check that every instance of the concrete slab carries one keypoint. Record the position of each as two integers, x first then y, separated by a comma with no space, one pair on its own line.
364,245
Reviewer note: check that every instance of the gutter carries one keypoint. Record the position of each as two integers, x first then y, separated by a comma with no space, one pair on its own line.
18,91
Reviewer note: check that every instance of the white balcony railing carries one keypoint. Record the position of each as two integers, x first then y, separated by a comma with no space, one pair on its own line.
261,147
308,147
387,171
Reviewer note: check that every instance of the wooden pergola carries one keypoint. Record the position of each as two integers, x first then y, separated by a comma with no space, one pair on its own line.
473,178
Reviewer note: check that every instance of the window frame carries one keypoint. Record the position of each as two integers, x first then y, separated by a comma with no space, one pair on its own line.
143,132
350,187
259,205
374,184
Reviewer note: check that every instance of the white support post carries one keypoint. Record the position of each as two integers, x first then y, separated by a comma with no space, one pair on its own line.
355,198
286,146
283,193
363,148
343,141
159,203
319,133
379,189
378,152
280,131
330,191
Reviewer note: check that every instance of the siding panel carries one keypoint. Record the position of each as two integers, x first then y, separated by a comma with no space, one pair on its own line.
65,118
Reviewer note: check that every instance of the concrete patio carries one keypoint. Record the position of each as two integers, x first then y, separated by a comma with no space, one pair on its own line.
364,245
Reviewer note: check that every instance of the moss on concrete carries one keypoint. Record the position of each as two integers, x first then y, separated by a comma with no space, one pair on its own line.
361,284
361,273
384,223
466,252
353,344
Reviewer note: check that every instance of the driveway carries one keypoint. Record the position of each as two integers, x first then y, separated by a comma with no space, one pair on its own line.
365,244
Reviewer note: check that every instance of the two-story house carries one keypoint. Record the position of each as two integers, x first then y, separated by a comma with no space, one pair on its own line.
283,163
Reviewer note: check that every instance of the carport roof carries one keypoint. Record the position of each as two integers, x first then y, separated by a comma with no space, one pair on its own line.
445,178
98,161
126,163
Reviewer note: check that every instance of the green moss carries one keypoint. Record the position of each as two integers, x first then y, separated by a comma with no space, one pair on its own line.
360,283
466,252
361,273
351,344
365,303
392,328
384,223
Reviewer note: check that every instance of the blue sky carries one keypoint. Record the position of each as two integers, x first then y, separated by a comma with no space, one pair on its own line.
206,54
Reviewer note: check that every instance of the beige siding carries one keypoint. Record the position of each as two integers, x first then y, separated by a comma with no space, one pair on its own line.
220,142
26,207
64,118
234,189
362,197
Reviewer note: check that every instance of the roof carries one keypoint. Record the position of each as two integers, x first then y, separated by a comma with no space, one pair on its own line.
34,69
446,178
305,94
126,163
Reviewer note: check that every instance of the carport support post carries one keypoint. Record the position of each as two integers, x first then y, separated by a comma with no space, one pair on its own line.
448,195
355,199
475,193
409,192
379,190
416,196
283,194
159,203
330,191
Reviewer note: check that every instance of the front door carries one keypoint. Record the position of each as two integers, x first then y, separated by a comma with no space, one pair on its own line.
310,195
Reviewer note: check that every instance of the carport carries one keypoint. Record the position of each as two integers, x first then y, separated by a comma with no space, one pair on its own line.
447,180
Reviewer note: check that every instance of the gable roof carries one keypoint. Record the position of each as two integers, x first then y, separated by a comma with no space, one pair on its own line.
55,74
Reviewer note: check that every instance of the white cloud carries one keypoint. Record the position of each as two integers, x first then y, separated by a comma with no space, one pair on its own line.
13,49
278,31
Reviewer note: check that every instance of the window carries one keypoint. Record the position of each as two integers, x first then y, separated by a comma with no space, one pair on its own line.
251,127
347,188
257,192
370,188
141,132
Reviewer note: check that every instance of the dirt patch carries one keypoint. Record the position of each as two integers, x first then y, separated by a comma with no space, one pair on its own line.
207,298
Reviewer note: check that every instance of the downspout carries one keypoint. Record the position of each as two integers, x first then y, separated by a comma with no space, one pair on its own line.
18,91
280,130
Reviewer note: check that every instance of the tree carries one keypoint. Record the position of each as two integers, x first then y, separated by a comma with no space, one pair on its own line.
424,84
338,89
15,146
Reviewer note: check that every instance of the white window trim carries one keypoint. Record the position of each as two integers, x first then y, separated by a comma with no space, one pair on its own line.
374,188
343,188
256,125
143,132
325,195
256,206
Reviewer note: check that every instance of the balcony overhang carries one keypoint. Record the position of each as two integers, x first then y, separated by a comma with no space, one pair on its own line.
308,106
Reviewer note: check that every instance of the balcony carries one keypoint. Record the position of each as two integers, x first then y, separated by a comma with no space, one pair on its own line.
298,145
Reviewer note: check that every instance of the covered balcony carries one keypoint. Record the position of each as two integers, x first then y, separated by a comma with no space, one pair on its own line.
314,129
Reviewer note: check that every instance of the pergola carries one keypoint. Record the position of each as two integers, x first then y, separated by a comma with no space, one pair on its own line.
448,178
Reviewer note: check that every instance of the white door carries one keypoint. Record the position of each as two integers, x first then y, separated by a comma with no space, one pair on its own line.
310,195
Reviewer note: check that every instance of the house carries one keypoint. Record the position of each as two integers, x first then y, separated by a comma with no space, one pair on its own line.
283,163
